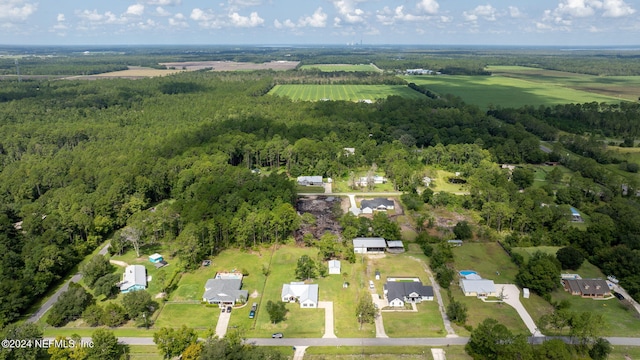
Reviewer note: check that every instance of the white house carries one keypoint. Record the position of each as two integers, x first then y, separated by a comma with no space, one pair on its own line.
309,180
305,294
334,267
373,245
224,291
478,287
399,293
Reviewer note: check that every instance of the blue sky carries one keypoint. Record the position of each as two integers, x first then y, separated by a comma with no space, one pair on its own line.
273,22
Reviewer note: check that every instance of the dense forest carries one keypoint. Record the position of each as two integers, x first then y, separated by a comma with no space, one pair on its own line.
170,160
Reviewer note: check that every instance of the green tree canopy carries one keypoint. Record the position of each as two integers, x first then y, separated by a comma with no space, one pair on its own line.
570,258
540,274
306,268
277,311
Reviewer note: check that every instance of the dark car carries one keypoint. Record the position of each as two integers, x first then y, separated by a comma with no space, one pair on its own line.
618,295
277,336
228,308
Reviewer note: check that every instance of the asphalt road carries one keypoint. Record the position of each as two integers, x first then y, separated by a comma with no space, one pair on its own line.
54,298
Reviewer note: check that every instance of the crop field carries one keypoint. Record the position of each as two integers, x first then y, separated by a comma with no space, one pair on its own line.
621,87
134,72
343,92
341,67
485,91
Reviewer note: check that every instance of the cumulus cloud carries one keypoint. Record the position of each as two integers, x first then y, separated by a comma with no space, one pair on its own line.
514,12
486,12
318,19
135,10
178,21
60,18
578,8
252,20
348,12
93,16
428,6
16,10
163,2
160,11
617,8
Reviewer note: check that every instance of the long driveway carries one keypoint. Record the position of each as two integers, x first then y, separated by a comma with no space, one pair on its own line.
511,297
54,298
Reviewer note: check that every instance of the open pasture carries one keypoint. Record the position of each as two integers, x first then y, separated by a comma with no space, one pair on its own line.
621,87
343,92
134,72
341,67
486,91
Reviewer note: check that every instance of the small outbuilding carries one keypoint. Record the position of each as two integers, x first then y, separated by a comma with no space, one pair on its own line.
375,245
455,242
155,258
395,246
525,293
334,267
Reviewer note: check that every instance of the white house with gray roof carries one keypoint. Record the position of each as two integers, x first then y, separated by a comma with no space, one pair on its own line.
134,278
305,294
478,287
224,291
369,245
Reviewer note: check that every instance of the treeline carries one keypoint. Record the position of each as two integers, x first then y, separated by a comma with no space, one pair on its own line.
423,90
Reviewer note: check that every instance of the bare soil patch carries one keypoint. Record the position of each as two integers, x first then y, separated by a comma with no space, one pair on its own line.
321,207
230,65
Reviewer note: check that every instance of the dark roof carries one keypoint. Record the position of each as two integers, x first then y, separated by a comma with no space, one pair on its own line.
401,289
375,203
588,286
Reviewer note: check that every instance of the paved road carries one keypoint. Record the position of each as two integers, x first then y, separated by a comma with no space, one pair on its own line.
54,298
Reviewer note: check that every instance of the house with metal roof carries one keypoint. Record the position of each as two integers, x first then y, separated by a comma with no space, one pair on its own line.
395,246
305,294
225,291
369,245
134,278
478,287
309,180
334,267
377,204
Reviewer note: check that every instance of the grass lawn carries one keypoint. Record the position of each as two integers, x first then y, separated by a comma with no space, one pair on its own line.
586,271
340,67
382,352
144,352
310,189
617,320
486,259
427,322
197,316
345,92
441,183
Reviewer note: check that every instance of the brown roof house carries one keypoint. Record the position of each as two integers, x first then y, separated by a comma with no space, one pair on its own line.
588,288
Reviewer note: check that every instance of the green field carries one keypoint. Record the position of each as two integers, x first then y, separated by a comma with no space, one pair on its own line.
341,67
343,92
486,91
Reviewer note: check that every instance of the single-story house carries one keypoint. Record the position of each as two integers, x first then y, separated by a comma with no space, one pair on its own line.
134,278
455,242
379,204
373,245
399,293
334,267
155,258
591,288
224,292
226,275
575,215
478,287
309,180
395,246
377,179
349,151
305,294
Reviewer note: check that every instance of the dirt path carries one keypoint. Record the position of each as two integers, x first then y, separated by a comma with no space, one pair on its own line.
118,262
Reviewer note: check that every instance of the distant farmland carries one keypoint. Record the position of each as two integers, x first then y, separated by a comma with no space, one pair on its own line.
341,67
507,91
343,92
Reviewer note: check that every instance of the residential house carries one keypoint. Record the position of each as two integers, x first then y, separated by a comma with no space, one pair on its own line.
373,245
478,287
588,288
575,215
377,204
309,180
376,179
395,246
455,242
399,293
334,267
134,278
305,294
224,291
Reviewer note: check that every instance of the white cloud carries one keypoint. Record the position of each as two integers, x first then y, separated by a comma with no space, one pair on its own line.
514,12
286,24
486,12
16,10
178,21
160,11
428,6
60,18
318,19
348,12
252,20
617,8
96,18
163,2
578,8
135,10
199,15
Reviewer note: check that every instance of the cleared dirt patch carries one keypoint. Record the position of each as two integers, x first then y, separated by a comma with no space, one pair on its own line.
321,207
230,65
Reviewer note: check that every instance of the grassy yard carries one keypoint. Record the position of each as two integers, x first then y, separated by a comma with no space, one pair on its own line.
427,322
441,183
487,259
343,92
586,271
192,315
340,67
143,352
381,352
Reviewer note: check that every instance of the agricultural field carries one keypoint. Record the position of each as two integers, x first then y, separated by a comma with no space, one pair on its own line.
343,92
487,91
341,67
134,72
621,87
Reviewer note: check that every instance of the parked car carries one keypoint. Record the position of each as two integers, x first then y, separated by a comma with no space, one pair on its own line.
371,285
618,295
229,309
277,336
252,314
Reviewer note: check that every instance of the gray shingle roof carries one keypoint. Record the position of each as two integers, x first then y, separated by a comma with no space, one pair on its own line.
401,289
223,290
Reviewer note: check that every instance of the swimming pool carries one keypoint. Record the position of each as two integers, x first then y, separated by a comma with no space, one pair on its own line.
468,272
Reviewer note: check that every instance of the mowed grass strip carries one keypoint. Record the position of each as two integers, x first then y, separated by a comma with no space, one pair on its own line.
485,91
340,67
381,352
192,315
343,92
